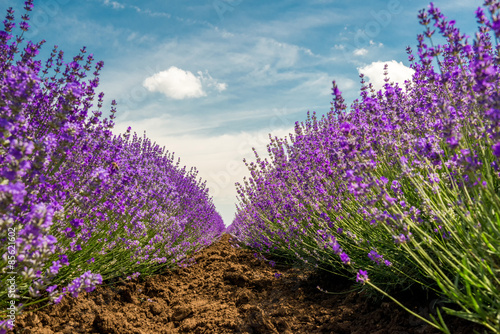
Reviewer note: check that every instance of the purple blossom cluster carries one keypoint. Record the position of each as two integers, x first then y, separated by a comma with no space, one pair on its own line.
402,184
83,205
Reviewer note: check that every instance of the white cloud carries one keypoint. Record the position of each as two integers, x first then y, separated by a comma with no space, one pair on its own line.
118,5
285,55
114,4
175,83
298,23
248,60
372,43
208,81
397,73
321,84
151,13
139,38
360,52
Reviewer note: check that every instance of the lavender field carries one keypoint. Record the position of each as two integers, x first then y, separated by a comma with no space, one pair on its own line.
79,205
401,188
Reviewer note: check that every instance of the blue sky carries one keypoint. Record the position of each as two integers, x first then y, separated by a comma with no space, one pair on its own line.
210,79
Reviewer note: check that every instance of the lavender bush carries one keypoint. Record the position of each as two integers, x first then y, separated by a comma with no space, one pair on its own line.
404,187
79,205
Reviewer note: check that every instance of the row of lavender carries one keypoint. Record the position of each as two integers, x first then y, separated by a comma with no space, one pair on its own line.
404,187
79,205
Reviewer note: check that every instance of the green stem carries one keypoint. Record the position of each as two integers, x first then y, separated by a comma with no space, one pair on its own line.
444,329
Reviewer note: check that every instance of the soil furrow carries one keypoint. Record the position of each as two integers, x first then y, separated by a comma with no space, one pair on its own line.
229,290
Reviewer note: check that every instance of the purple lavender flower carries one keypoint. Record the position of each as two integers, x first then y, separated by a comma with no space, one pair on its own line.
395,186
51,288
133,276
54,269
345,258
58,299
375,257
362,276
63,258
496,149
400,239
74,287
6,325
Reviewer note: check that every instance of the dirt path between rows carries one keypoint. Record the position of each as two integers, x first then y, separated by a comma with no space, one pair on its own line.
229,290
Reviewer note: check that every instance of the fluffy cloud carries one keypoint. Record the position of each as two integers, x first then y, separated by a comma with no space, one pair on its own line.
397,72
178,84
175,83
360,52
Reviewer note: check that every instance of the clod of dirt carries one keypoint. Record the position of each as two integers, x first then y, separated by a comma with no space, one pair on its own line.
228,290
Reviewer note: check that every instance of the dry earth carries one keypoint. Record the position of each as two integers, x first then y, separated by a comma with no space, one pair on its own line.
229,290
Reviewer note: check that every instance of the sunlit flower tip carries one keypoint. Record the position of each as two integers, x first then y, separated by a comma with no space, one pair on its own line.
362,276
322,290
387,263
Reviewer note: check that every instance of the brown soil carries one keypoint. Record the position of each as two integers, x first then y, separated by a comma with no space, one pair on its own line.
229,290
